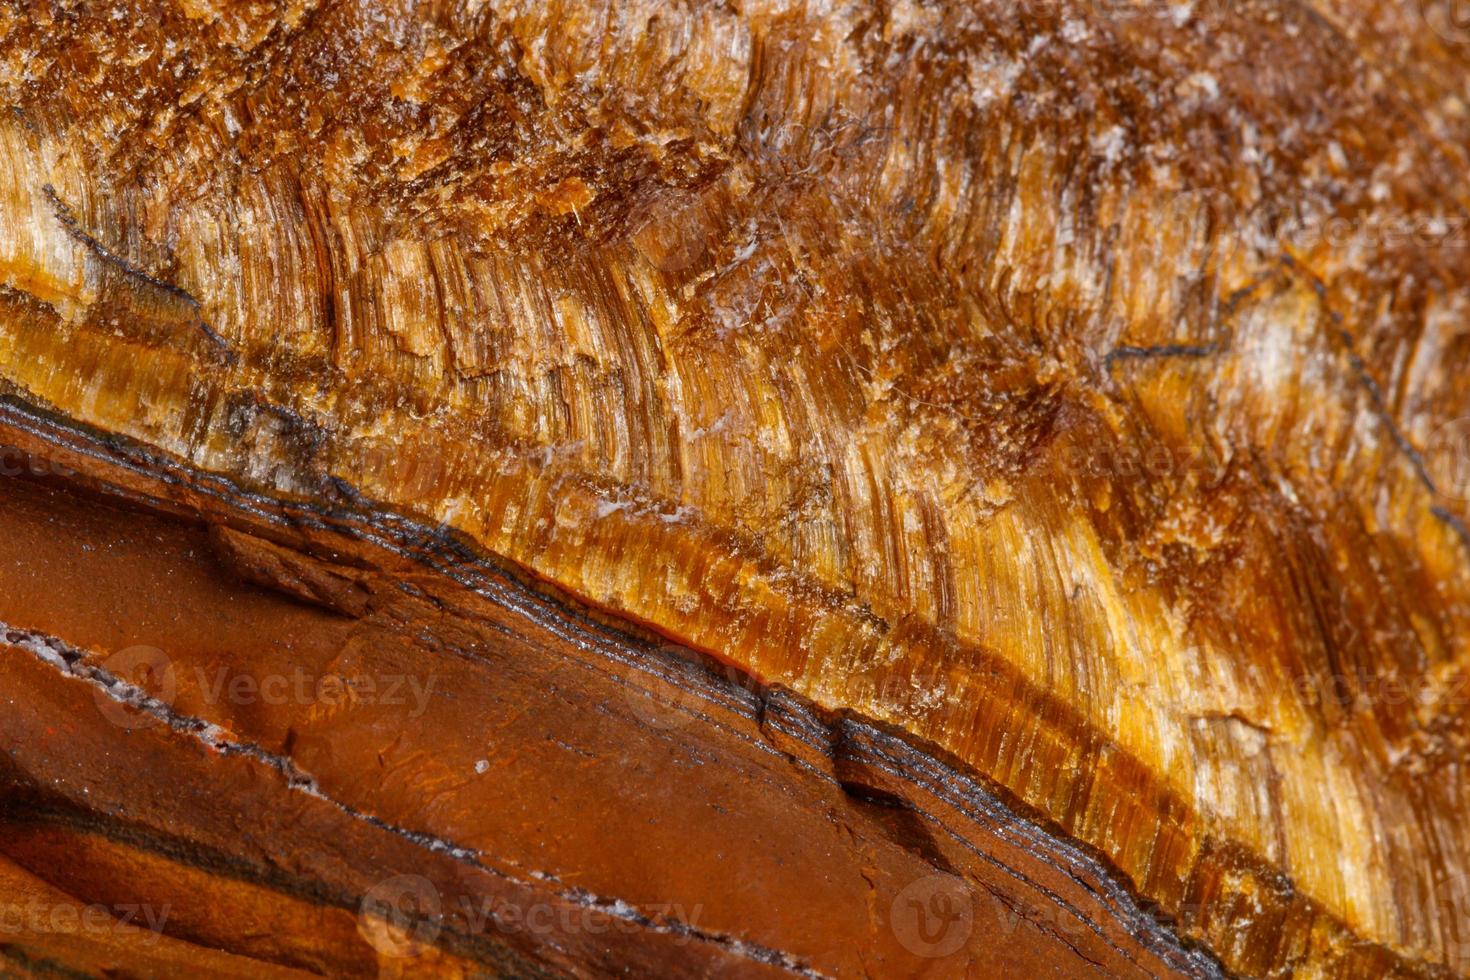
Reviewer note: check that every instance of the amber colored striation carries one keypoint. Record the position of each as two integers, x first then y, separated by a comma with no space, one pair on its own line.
1074,385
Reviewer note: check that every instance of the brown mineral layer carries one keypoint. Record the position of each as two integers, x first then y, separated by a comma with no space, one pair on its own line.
554,796
825,479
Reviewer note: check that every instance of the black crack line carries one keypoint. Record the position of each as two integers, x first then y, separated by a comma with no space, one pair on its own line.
72,661
68,221
1128,352
1380,405
1410,451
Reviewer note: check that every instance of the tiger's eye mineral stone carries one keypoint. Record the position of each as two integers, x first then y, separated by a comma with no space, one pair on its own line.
1071,387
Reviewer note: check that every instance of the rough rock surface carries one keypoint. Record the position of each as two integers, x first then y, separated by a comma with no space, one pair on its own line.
1072,385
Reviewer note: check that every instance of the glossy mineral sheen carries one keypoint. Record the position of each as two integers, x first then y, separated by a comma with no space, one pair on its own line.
1077,385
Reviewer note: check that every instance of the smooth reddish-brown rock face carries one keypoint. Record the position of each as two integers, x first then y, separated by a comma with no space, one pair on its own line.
303,743
1072,387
